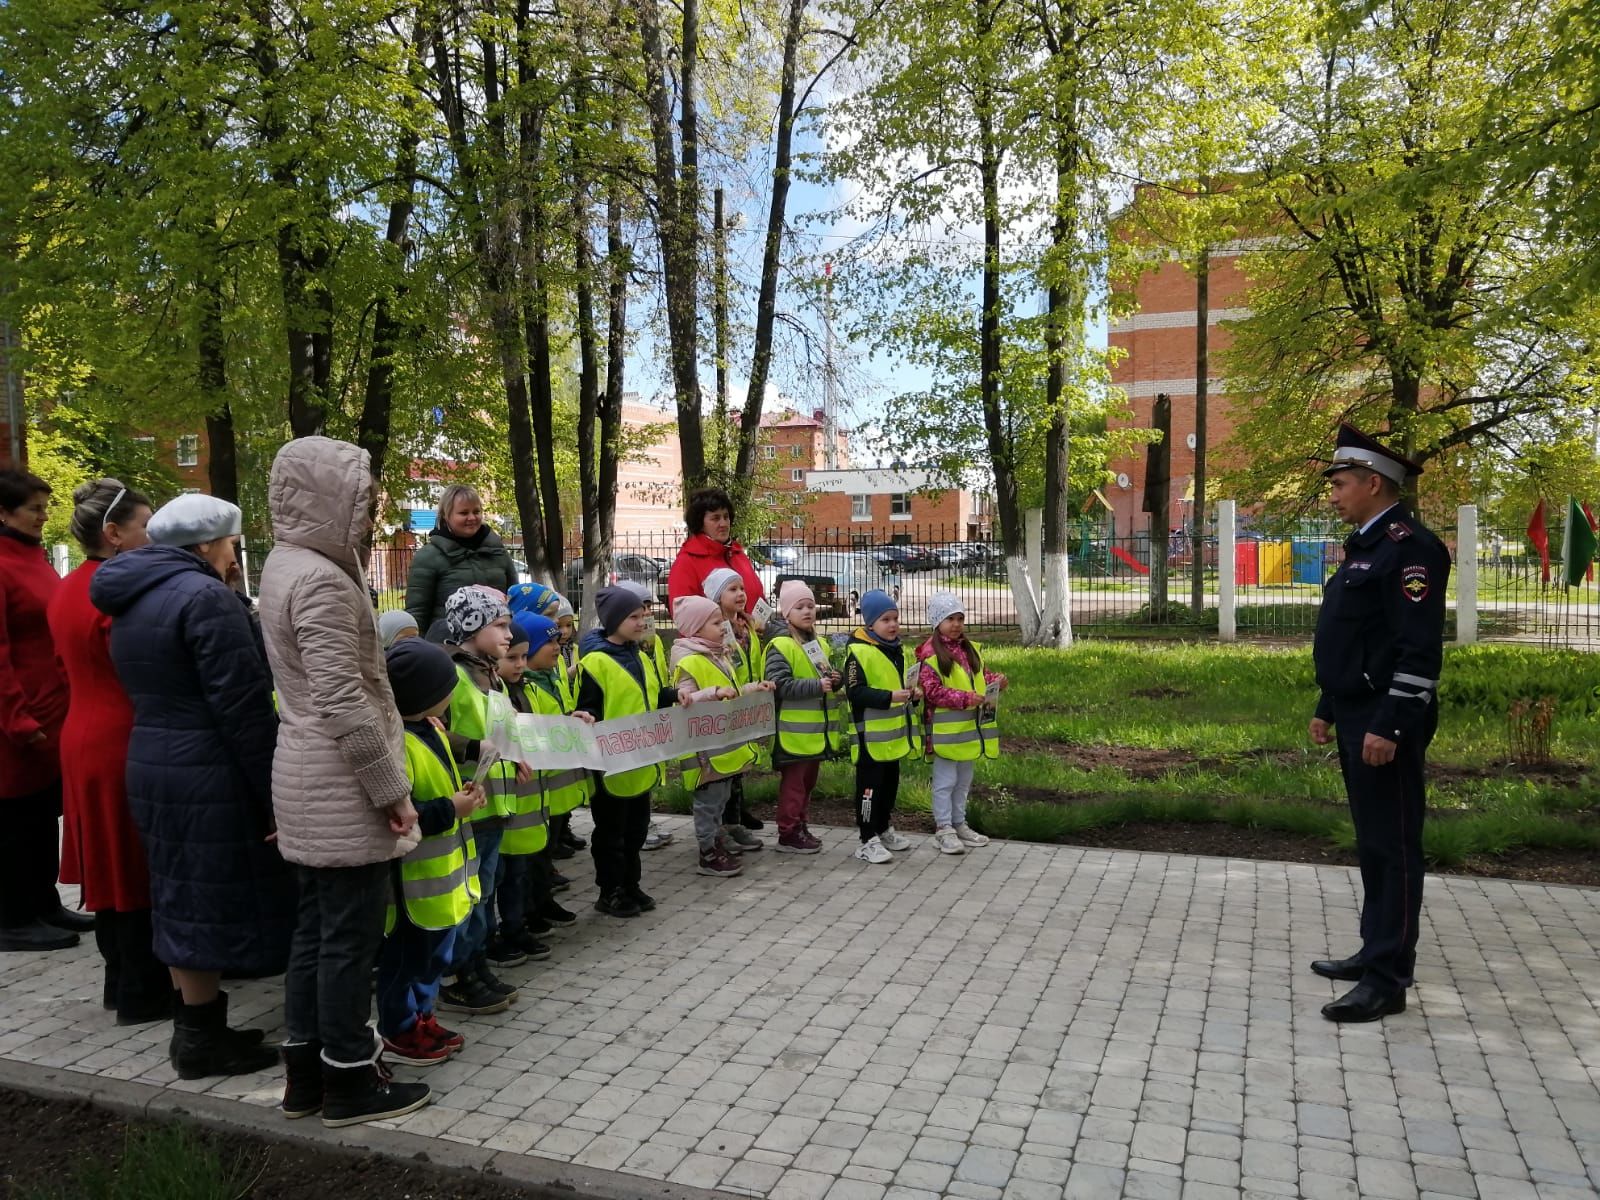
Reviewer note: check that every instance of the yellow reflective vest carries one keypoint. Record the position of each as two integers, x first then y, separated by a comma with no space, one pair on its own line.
962,734
809,728
439,878
706,674
469,718
886,732
625,697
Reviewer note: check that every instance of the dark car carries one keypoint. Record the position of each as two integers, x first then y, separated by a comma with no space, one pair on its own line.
637,568
838,579
906,558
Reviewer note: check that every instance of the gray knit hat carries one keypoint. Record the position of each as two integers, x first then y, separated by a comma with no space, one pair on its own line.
193,518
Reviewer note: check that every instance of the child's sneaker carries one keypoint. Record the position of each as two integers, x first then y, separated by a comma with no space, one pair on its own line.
799,841
617,904
657,837
645,902
498,986
740,840
503,951
468,995
416,1047
947,841
559,882
874,852
970,836
893,839
525,941
448,1038
718,862
556,915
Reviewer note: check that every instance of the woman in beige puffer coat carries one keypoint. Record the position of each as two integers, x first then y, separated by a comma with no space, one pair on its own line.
339,787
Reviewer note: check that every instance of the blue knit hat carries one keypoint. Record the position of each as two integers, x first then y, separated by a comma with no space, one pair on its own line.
536,631
874,604
530,598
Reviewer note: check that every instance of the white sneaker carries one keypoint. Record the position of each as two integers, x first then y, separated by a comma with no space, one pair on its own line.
970,836
893,839
947,841
873,852
656,838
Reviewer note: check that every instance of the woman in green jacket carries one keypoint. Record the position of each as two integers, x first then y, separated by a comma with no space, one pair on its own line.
461,550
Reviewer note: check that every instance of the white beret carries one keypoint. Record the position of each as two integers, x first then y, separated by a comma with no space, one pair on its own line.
193,518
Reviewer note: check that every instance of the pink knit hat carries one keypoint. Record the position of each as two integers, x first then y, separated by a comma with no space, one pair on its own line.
690,614
791,593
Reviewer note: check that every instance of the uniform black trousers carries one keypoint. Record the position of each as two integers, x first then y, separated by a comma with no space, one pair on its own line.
877,785
30,857
621,823
1387,805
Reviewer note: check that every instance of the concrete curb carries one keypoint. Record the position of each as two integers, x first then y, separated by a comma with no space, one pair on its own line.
541,1178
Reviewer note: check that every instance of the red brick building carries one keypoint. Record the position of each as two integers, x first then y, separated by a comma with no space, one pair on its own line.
875,505
1158,344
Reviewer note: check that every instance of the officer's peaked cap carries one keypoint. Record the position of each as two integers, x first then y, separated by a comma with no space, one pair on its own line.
1353,448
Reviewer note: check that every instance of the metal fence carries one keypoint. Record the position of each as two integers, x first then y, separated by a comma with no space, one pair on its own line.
1276,580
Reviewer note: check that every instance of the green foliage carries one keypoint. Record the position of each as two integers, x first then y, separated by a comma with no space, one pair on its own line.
157,1162
1489,678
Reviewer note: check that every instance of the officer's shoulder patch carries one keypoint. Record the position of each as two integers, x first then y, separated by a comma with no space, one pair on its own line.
1398,531
1414,582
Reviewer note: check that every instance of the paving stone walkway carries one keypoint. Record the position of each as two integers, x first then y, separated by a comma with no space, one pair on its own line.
1022,1023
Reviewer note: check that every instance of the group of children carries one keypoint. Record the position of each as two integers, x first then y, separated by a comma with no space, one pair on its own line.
479,890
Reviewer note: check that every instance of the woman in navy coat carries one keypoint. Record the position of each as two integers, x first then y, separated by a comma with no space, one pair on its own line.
200,771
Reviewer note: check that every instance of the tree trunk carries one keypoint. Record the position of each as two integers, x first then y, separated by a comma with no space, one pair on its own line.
772,248
719,325
212,374
597,533
1202,370
1157,502
589,402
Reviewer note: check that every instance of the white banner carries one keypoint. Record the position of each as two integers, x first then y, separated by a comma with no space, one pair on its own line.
661,735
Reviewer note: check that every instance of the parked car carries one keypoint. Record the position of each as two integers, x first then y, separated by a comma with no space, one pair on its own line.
838,579
778,554
906,558
639,568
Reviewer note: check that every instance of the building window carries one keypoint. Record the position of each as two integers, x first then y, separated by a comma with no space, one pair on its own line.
797,475
797,523
861,508
900,504
769,451
794,451
189,450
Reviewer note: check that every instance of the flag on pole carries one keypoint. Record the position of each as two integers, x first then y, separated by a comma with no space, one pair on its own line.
1589,513
1577,545
1540,538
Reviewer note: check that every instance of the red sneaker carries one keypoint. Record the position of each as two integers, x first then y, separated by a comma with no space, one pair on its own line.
416,1047
798,842
448,1038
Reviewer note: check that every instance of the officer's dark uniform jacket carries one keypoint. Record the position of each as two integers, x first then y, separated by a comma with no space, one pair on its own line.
1379,635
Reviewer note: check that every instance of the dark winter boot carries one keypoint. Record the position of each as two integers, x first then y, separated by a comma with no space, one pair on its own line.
302,1095
366,1092
202,1043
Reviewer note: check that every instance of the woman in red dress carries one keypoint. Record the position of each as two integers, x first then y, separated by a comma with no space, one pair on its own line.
100,847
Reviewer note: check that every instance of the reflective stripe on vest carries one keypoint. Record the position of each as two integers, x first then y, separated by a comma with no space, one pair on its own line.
807,728
706,674
886,732
439,877
624,697
469,718
957,733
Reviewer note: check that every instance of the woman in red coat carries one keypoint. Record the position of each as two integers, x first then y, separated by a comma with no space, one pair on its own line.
710,545
100,846
33,703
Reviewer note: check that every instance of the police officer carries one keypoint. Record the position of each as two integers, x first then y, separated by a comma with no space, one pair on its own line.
1379,644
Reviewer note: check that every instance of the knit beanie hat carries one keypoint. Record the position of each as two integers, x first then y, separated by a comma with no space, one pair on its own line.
614,605
791,593
537,631
563,608
638,589
717,582
470,608
530,598
942,605
420,675
874,604
690,614
193,518
392,624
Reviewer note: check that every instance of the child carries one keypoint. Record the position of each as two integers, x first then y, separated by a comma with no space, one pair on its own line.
551,793
512,942
567,623
700,657
396,626
725,587
880,711
618,681
477,637
659,836
958,720
426,914
807,701
532,598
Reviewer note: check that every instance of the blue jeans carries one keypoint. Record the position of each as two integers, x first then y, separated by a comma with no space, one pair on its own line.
473,936
511,889
410,966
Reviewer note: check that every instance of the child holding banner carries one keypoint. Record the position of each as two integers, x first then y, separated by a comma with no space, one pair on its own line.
808,699
725,588
700,656
511,941
880,712
617,680
958,720
437,881
478,634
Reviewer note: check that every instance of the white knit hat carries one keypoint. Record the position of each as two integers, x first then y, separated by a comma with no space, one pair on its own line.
942,605
719,581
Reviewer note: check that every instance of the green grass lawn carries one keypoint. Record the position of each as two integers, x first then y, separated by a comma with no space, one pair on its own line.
1110,732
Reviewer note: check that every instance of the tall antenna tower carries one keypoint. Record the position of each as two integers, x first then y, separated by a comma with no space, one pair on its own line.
830,388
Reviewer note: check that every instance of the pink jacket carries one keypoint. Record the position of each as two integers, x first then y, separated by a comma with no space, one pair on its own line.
934,692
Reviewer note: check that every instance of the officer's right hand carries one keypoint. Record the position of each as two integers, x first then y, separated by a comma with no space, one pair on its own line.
1321,731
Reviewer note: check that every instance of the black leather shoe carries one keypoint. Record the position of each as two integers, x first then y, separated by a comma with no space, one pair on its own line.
1365,1002
36,936
72,922
617,904
1350,970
